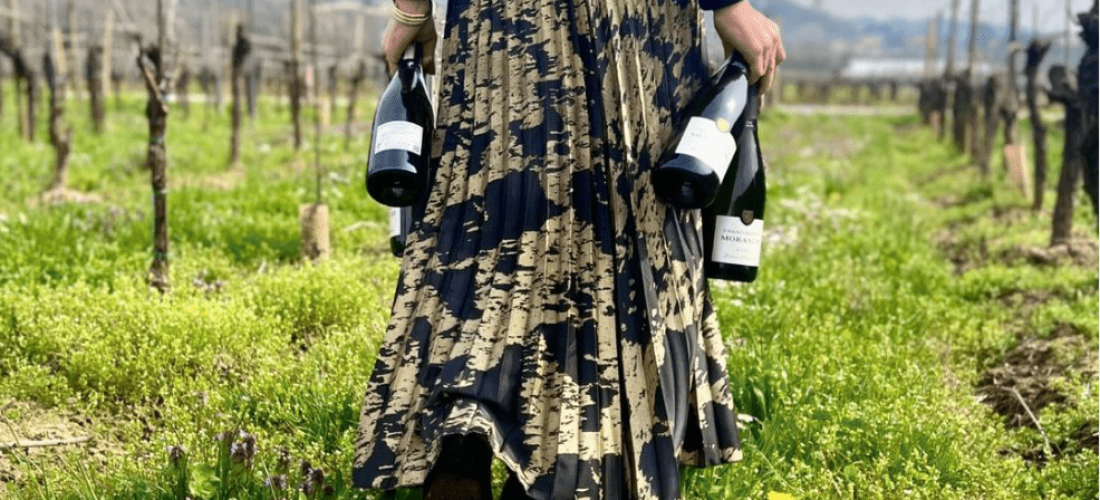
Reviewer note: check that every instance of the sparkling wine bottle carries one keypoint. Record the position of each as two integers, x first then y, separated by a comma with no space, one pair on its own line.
397,171
400,226
733,226
702,149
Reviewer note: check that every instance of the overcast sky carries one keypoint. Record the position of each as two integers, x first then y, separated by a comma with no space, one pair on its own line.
1051,12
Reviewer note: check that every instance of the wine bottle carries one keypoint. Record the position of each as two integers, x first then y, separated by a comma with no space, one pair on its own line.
702,149
400,226
733,226
397,170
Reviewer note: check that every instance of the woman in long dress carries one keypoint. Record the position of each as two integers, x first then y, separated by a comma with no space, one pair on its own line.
551,311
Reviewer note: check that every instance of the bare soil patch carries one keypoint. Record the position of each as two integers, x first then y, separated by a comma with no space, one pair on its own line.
25,423
968,255
224,181
1081,252
1027,378
1024,378
1024,382
63,196
964,256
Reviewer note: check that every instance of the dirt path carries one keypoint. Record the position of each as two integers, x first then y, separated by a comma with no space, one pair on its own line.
846,110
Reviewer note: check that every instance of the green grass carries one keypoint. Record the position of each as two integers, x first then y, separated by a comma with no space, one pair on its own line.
856,352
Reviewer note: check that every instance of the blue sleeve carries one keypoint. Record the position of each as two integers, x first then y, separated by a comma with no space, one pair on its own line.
716,4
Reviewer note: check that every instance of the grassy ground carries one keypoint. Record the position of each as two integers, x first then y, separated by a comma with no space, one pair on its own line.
870,360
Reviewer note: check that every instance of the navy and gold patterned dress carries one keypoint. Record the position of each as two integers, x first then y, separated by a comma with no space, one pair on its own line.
548,300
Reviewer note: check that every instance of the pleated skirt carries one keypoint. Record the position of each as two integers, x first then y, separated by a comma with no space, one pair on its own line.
547,299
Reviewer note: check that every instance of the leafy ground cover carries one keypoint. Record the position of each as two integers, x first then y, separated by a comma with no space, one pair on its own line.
902,300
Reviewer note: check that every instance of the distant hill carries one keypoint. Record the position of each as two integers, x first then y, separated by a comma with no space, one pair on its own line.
816,38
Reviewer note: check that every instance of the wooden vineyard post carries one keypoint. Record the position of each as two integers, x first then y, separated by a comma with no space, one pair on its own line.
208,85
153,62
183,90
1035,53
931,94
1011,104
961,112
10,49
1,93
225,89
975,146
1088,92
57,56
283,88
935,117
933,104
314,242
24,83
357,78
253,78
253,81
60,140
333,88
949,70
991,95
353,97
241,49
1066,35
874,92
1063,90
74,49
108,51
116,87
93,75
313,217
295,71
1016,159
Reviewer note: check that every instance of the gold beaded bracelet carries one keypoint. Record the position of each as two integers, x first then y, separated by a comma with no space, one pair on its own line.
407,19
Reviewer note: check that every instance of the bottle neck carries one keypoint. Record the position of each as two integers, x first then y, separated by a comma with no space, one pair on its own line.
735,67
408,69
752,105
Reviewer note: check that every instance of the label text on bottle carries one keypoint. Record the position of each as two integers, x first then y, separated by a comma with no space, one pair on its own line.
706,140
405,136
736,243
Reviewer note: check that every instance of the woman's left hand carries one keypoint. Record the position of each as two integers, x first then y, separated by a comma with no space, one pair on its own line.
399,36
741,28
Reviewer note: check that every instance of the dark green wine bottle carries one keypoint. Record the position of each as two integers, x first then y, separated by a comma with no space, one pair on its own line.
397,170
733,226
702,150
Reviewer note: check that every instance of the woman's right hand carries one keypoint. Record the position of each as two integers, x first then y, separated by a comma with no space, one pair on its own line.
741,28
400,36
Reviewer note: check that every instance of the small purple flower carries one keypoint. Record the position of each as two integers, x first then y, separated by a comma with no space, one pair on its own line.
277,482
176,454
283,462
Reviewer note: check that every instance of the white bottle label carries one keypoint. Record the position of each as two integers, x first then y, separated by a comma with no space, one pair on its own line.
405,136
395,222
711,142
737,243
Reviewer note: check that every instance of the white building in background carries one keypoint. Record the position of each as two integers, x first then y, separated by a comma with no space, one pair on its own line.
906,70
